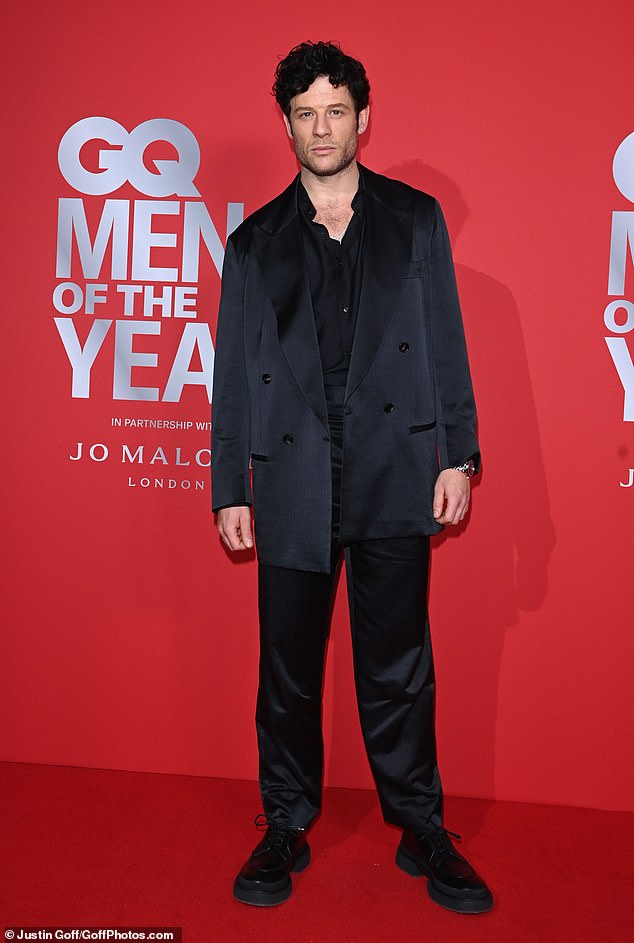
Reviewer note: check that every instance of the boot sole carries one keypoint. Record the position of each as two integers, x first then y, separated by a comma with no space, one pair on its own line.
441,894
275,893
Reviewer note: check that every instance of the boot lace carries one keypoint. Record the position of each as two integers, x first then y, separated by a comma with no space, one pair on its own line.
440,840
277,833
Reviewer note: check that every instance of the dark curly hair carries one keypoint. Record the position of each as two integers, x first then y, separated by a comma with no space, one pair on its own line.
304,63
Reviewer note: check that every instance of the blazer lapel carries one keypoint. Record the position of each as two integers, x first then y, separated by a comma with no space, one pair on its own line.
279,250
386,256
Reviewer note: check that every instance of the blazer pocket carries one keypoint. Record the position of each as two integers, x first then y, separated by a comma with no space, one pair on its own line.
415,269
422,428
256,457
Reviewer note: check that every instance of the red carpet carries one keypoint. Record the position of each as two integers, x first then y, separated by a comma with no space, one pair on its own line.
86,847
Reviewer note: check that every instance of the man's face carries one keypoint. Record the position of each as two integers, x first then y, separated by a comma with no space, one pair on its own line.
324,127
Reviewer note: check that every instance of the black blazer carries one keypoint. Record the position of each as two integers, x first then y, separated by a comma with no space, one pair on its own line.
409,408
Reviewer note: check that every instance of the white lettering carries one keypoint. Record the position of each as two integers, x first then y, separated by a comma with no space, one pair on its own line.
622,235
129,292
126,455
194,335
625,369
125,358
623,167
93,452
58,298
93,298
197,223
162,301
143,239
182,300
610,320
630,480
159,456
125,161
82,359
113,224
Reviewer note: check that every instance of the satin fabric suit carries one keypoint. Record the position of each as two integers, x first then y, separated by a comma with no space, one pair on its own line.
406,412
408,399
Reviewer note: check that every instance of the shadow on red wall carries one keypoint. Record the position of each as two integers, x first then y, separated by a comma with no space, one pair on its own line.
490,568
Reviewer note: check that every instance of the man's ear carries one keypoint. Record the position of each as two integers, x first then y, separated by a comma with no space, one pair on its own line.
289,130
362,120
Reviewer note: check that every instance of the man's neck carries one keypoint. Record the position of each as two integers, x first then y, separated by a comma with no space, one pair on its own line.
339,189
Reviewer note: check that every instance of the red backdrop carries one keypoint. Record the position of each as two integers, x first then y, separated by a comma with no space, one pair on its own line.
129,635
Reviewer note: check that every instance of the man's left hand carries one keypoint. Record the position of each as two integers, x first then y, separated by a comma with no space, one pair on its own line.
451,496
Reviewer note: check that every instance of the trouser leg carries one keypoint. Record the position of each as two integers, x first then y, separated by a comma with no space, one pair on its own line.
394,675
294,608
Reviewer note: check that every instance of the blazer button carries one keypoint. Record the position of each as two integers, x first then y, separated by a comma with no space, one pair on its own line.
287,438
403,346
266,378
389,407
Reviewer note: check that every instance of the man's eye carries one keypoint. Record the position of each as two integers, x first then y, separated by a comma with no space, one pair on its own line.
336,111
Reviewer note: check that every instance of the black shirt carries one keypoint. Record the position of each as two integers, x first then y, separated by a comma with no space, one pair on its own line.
334,272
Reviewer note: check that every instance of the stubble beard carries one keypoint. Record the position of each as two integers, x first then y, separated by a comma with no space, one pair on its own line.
345,158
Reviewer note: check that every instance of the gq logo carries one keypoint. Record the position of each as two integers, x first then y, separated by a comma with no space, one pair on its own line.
124,161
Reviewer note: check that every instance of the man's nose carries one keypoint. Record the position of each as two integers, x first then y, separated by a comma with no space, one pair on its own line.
321,127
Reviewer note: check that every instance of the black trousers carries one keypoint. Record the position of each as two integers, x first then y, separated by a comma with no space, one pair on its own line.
393,669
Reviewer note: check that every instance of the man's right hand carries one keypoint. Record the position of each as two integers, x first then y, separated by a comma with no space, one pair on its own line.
234,526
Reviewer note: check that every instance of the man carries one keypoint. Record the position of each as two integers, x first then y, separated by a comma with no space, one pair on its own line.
341,378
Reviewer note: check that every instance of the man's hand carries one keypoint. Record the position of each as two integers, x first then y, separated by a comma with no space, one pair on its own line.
234,526
451,496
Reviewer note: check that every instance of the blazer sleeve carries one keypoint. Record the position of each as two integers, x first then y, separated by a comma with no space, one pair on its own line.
454,390
230,420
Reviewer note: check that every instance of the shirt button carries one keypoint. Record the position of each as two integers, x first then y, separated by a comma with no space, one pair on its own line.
403,346
389,407
266,378
287,438
345,309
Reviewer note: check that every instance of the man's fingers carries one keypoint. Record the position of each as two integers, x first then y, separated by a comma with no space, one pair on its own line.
230,534
234,527
235,538
454,515
457,506
452,511
439,500
451,497
448,505
245,528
